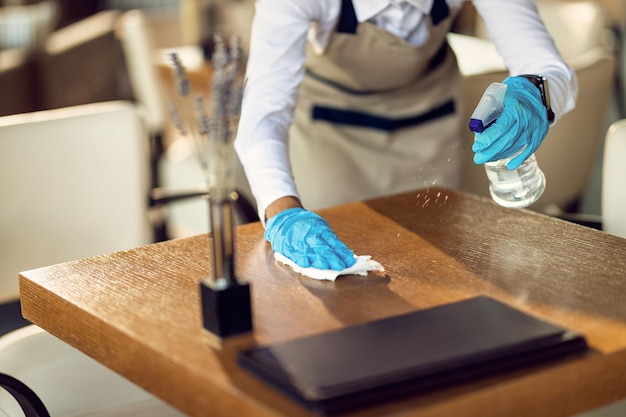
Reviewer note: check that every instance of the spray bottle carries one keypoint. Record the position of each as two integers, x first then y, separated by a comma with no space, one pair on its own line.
516,188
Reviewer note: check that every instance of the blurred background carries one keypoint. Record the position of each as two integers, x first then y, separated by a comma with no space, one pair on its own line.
78,70
92,163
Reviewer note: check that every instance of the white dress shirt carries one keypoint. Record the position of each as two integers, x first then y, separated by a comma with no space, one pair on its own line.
281,29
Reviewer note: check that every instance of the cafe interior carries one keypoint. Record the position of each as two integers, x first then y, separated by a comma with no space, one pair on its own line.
93,163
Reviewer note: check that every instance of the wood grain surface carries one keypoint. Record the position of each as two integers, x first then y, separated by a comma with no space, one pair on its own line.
138,311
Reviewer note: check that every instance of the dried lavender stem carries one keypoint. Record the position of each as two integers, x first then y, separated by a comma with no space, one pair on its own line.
212,135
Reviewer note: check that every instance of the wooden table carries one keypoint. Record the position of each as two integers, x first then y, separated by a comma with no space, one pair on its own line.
138,311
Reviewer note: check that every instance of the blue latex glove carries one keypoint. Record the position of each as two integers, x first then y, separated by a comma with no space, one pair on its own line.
306,238
522,125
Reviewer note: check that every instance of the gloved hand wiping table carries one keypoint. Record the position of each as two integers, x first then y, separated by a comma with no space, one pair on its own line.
304,240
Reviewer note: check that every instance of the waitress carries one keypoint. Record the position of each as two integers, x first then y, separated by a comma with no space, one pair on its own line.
352,99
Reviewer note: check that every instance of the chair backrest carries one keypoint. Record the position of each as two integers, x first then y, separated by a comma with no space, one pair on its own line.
613,175
74,183
16,73
104,57
140,55
84,63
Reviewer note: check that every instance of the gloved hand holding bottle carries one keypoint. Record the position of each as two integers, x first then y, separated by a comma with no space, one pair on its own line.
509,123
306,239
522,126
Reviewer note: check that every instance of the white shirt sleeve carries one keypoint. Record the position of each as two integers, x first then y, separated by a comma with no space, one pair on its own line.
527,48
275,69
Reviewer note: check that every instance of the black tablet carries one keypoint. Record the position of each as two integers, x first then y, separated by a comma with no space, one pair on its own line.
357,365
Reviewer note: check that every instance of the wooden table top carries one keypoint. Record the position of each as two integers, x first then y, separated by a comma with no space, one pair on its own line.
138,311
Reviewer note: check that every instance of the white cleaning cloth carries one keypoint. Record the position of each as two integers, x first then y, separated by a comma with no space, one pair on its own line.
363,265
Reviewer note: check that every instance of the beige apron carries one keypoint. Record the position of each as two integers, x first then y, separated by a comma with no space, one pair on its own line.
376,116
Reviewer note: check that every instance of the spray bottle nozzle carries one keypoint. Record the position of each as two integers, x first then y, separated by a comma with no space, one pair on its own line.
489,107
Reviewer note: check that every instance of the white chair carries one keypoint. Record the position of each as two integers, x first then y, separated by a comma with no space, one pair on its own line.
104,57
74,183
568,154
68,382
83,63
613,175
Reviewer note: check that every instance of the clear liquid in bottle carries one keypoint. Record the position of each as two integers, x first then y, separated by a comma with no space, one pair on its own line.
515,188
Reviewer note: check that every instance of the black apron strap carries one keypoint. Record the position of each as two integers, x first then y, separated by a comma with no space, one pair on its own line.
439,11
347,18
368,120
